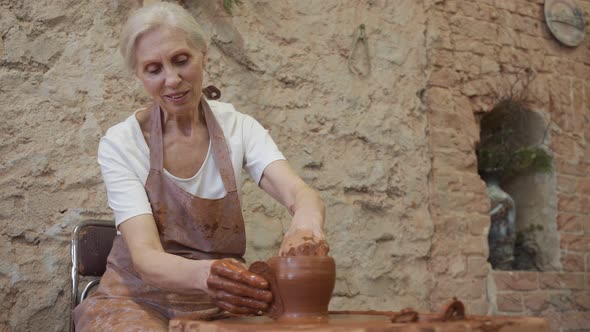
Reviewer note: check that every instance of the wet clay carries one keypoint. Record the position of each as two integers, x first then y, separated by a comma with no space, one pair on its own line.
237,290
376,321
407,315
275,309
452,311
451,318
310,248
304,285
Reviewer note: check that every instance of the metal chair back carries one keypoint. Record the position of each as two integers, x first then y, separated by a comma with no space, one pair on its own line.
92,241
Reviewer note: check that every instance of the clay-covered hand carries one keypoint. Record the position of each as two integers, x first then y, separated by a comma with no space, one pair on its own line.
235,289
304,242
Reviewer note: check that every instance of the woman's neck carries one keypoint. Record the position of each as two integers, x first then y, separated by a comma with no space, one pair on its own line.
183,124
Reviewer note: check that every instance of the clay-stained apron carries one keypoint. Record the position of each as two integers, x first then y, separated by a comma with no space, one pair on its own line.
188,226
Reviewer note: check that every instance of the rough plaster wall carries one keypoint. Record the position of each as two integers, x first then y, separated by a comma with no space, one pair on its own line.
60,87
355,140
360,142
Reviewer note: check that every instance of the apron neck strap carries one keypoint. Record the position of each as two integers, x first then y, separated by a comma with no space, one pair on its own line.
221,153
156,140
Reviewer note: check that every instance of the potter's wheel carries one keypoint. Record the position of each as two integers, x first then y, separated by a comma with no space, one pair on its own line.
363,322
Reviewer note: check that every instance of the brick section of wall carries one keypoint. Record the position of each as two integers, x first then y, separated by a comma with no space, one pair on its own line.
459,244
474,49
361,142
561,297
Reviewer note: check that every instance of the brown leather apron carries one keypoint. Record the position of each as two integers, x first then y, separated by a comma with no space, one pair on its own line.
188,226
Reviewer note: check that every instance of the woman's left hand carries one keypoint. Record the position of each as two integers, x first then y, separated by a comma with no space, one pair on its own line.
235,289
305,237
303,241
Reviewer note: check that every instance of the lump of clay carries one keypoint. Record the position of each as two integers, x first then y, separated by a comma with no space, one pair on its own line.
311,248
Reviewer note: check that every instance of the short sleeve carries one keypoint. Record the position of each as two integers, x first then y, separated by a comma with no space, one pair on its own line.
126,193
259,148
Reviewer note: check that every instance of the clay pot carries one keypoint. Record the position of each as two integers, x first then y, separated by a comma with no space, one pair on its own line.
305,285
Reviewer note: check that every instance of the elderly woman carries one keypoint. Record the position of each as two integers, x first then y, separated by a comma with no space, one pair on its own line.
172,172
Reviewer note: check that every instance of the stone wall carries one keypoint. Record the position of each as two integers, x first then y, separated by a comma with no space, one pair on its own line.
391,154
476,49
362,142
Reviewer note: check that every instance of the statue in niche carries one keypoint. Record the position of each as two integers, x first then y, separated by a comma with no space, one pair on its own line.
512,145
502,235
525,252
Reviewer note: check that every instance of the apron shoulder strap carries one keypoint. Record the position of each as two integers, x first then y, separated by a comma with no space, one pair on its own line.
156,151
221,152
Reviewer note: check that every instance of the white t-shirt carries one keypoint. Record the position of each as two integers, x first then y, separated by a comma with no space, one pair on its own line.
124,159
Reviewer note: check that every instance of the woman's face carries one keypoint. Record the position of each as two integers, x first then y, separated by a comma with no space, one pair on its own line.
170,69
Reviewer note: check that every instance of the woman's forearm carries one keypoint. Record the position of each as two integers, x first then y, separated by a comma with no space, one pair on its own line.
306,236
308,210
155,266
304,204
172,272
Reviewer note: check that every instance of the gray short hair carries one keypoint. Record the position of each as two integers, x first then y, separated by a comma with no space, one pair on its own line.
159,14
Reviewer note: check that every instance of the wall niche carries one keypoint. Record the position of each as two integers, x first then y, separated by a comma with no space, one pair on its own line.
516,163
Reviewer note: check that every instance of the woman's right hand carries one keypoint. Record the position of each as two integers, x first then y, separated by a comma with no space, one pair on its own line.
235,289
